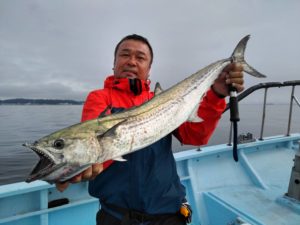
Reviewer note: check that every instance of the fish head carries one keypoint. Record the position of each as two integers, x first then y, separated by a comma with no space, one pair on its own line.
63,155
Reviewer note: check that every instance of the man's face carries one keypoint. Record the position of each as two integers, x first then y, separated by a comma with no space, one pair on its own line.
132,60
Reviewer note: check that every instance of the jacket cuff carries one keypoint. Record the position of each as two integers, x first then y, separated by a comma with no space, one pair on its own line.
106,164
213,96
216,93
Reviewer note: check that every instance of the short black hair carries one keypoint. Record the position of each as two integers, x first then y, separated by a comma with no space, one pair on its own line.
135,37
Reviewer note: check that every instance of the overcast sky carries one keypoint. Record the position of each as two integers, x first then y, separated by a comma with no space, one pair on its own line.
64,48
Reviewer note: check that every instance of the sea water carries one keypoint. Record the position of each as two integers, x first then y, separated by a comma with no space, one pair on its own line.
26,123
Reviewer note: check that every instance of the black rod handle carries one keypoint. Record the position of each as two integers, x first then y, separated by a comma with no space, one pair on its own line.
233,104
234,118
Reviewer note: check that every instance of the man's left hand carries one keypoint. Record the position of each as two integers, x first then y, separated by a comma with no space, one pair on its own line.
231,74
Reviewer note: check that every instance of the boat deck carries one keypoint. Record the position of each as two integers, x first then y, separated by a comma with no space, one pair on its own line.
221,191
252,190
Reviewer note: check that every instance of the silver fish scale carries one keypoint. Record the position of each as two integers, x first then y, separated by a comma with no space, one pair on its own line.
138,132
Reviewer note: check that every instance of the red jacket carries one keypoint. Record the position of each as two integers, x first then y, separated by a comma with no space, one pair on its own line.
147,181
117,93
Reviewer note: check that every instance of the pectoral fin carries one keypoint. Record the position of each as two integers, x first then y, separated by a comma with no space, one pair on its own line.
108,128
120,159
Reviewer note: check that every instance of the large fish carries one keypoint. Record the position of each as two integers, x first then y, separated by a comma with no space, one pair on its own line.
67,152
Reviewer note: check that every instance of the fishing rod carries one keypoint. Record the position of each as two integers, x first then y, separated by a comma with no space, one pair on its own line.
234,118
238,57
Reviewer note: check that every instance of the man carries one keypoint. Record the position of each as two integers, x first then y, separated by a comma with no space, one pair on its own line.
146,188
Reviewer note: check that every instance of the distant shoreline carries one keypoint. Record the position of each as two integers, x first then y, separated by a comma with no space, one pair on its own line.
23,101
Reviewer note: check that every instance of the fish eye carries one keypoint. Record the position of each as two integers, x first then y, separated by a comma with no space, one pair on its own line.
59,144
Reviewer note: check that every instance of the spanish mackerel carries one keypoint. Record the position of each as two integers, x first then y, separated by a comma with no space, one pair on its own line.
67,152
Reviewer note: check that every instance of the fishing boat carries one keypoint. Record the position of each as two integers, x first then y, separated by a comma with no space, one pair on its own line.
262,188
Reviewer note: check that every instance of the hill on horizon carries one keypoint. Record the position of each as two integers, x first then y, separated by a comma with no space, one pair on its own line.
24,101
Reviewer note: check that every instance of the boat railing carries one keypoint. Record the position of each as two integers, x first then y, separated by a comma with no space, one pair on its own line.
266,86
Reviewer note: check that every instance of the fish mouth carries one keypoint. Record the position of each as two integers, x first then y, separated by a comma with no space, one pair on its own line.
44,167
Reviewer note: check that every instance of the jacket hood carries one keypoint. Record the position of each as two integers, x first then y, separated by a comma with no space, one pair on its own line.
124,84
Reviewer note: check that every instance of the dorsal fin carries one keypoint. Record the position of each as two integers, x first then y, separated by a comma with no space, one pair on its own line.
104,112
157,88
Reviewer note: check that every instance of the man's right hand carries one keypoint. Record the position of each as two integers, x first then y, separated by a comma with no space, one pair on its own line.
89,174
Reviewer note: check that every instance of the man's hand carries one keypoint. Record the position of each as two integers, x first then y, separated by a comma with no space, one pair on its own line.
231,74
89,174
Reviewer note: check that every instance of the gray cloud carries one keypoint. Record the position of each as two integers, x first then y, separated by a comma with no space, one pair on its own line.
63,49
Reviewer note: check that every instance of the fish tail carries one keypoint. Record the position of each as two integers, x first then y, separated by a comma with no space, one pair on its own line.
238,56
